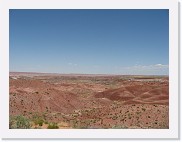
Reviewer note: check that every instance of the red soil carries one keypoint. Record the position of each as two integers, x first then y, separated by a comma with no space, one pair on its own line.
92,101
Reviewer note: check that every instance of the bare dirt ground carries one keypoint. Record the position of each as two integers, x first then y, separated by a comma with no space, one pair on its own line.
90,101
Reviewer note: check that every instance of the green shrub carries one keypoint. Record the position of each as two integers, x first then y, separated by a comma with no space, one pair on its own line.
19,122
53,126
143,109
119,127
38,120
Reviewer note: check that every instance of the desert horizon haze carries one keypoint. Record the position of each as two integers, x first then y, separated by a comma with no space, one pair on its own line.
17,73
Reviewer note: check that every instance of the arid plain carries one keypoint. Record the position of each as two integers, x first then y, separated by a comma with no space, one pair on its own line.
78,101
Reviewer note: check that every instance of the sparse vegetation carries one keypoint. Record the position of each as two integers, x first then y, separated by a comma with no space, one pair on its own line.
53,126
87,103
119,127
19,122
38,120
144,109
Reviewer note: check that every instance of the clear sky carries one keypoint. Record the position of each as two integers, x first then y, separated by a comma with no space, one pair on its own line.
90,41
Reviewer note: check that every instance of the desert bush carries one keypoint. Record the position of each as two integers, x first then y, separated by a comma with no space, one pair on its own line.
143,109
40,122
53,126
119,127
19,122
37,119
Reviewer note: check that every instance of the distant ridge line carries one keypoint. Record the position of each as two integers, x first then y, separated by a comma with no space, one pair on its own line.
63,74
14,73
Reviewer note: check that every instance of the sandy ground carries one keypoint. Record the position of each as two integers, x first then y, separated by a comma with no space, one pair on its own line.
81,101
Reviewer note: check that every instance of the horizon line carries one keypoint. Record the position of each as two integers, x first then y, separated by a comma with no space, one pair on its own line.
83,73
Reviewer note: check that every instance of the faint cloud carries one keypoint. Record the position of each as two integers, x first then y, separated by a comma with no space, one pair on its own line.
146,69
158,65
72,64
161,66
149,66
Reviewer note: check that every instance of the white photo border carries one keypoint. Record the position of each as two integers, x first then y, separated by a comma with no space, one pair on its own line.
171,133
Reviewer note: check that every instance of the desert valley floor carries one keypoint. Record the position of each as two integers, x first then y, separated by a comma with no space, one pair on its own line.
88,101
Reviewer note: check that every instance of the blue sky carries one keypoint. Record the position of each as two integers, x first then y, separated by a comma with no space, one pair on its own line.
90,41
